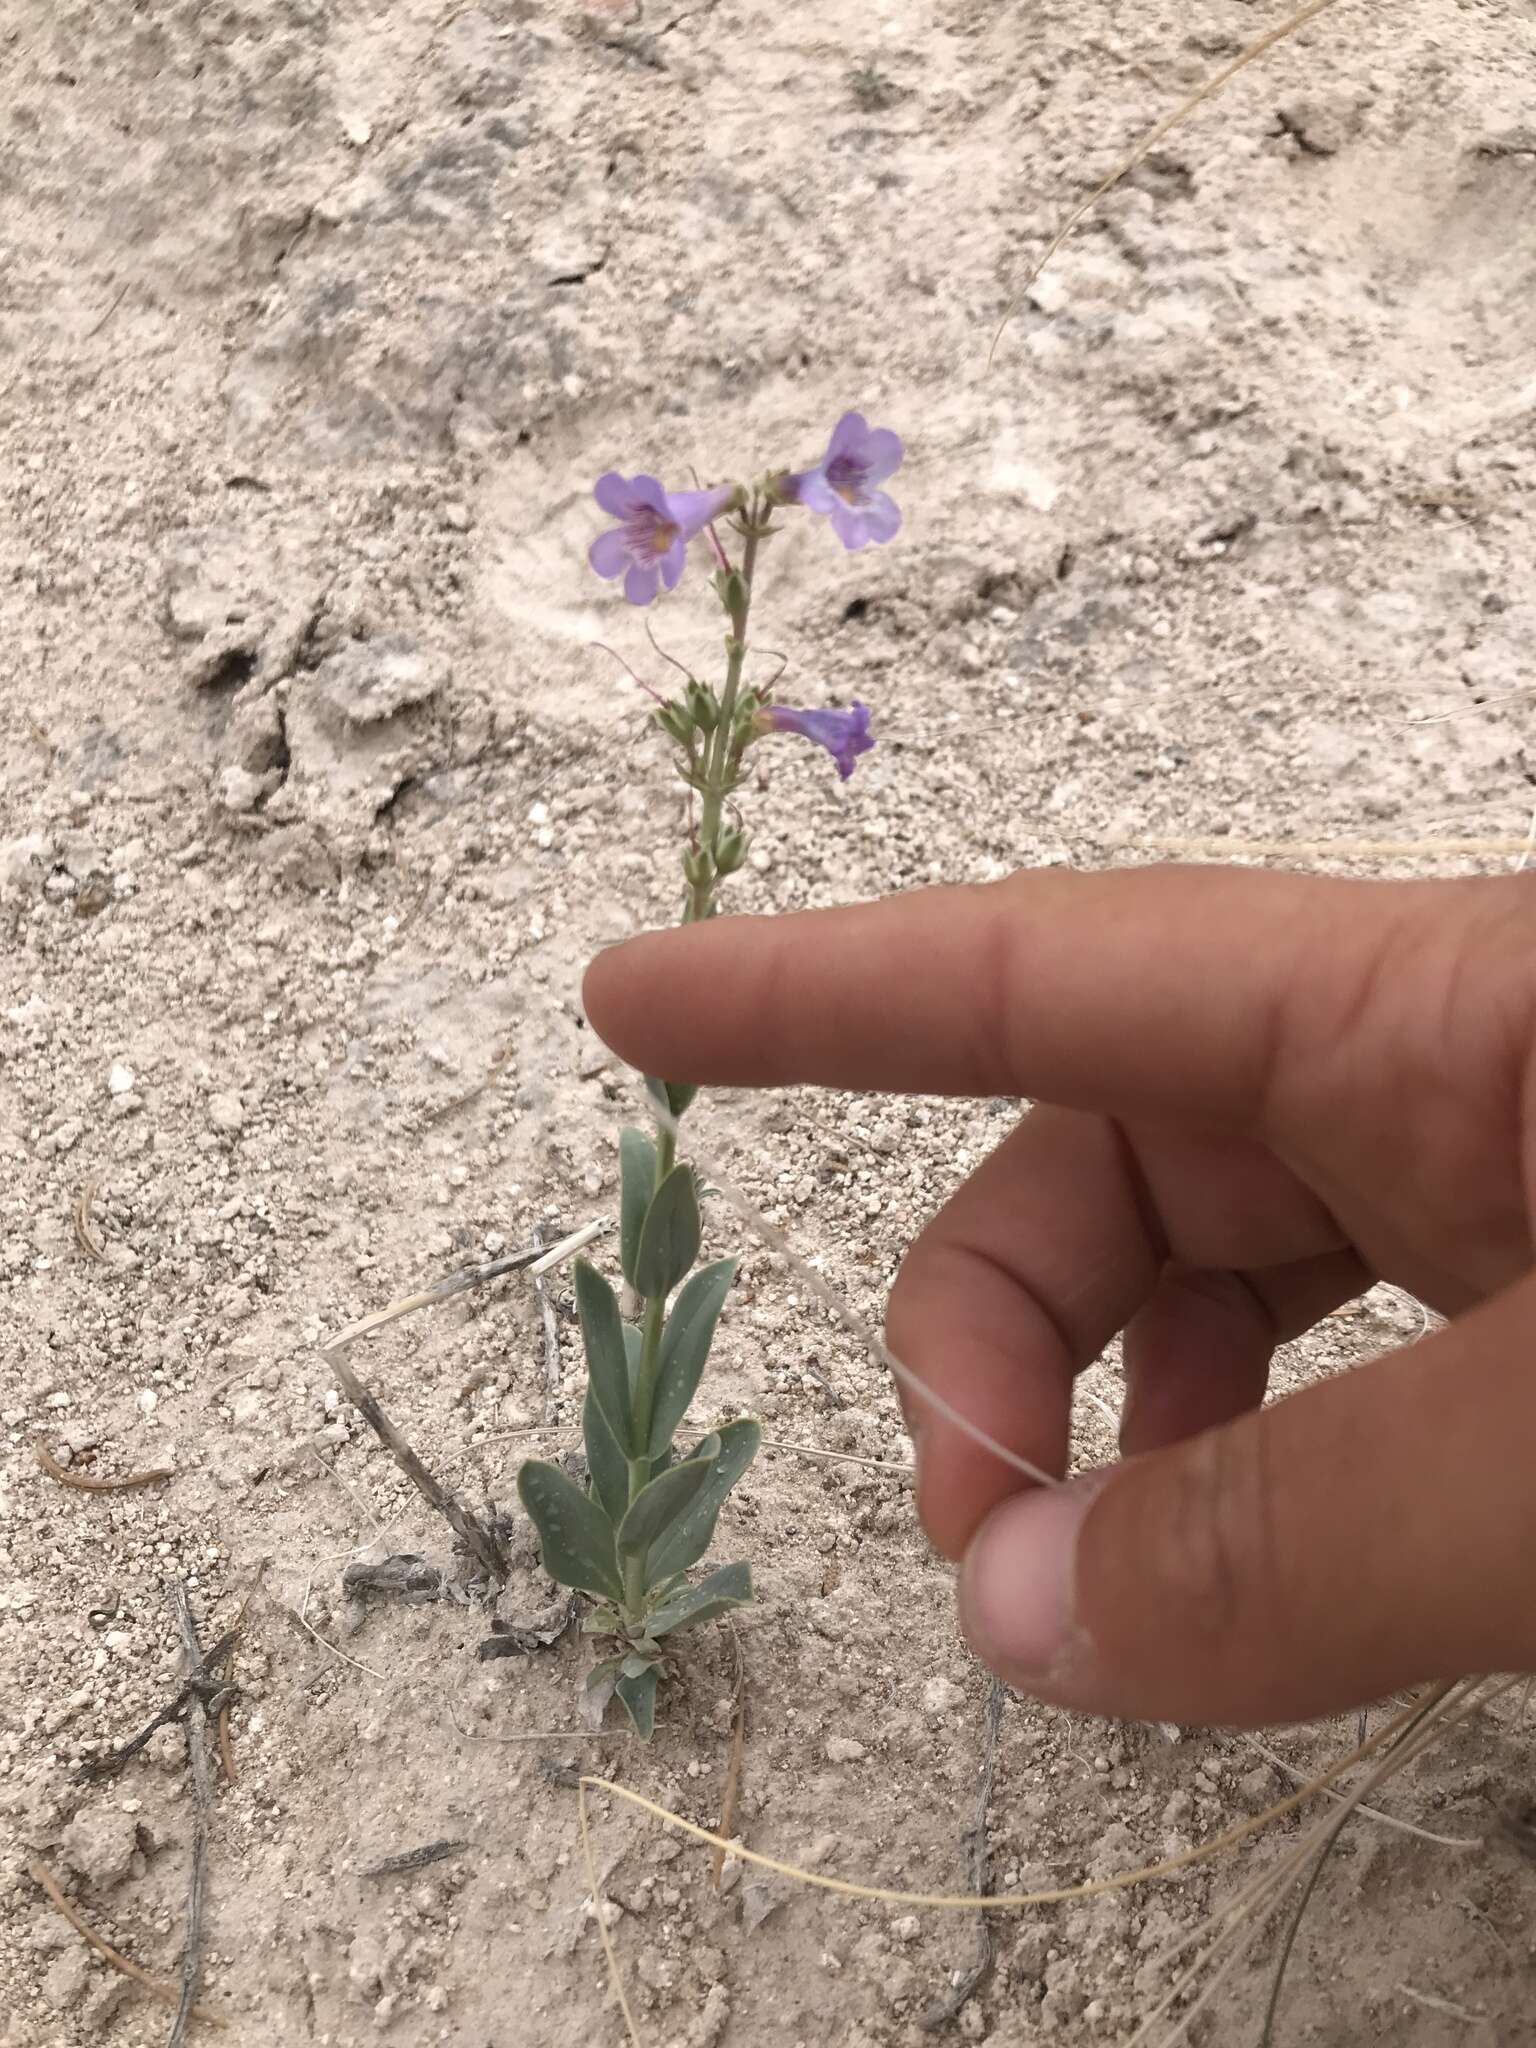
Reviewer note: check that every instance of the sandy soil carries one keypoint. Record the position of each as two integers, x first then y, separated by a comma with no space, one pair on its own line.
316,322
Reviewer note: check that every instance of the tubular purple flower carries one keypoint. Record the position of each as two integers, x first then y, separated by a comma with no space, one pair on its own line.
845,485
649,545
844,734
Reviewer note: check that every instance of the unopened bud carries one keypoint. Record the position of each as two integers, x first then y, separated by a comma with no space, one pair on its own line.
698,868
730,852
702,707
675,723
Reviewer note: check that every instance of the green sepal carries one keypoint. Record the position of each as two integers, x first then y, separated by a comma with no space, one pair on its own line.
659,1503
637,1183
689,1536
685,1343
575,1536
637,1696
730,852
672,1096
669,1238
688,1606
602,1332
606,1462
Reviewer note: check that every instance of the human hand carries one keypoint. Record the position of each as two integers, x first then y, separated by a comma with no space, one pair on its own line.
1257,1094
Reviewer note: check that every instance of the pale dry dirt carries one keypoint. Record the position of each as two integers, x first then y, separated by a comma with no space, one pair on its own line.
316,322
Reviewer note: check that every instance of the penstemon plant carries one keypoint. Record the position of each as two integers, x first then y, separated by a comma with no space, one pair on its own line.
648,1514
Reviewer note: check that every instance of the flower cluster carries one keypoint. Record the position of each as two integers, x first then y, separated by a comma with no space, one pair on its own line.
648,548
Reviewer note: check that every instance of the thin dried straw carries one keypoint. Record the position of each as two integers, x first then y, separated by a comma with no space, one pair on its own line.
1427,1721
1149,142
881,1352
1389,1820
1012,1902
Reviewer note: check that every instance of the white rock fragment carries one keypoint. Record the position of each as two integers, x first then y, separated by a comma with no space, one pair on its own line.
226,1112
99,1843
843,1749
942,1696
120,1079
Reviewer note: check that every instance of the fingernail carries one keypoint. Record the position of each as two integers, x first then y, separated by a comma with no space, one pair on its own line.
1018,1583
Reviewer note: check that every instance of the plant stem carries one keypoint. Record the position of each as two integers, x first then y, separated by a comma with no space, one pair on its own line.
717,763
718,757
651,1326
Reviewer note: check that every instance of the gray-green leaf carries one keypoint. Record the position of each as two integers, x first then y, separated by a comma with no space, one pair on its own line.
656,1506
688,1537
730,1586
637,1696
685,1346
602,1332
575,1536
605,1461
669,1237
637,1176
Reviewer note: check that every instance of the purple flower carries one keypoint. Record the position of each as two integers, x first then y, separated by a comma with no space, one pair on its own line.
844,734
845,484
649,545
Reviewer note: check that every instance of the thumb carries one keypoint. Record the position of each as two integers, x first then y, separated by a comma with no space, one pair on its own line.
1361,1536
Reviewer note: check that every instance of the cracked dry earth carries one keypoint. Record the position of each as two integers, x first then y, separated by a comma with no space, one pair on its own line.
316,323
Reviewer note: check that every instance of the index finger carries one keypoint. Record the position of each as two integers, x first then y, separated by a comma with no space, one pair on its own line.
1143,991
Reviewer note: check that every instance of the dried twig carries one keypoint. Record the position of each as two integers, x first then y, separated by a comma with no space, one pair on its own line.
733,1768
168,1994
978,1870
84,1482
523,1638
535,1258
226,1747
85,1237
1432,2004
477,1537
414,1859
92,331
198,1681
546,1236
197,1756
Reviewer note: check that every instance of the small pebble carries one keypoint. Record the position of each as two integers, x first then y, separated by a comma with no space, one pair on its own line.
226,1112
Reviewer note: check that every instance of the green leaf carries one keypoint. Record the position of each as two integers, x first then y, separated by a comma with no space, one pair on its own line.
685,1345
602,1332
634,1338
730,1586
575,1536
672,1096
637,1177
688,1537
669,1238
637,1696
603,1621
605,1461
656,1506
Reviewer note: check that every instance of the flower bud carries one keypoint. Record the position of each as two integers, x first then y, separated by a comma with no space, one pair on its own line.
698,868
730,852
675,723
703,709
